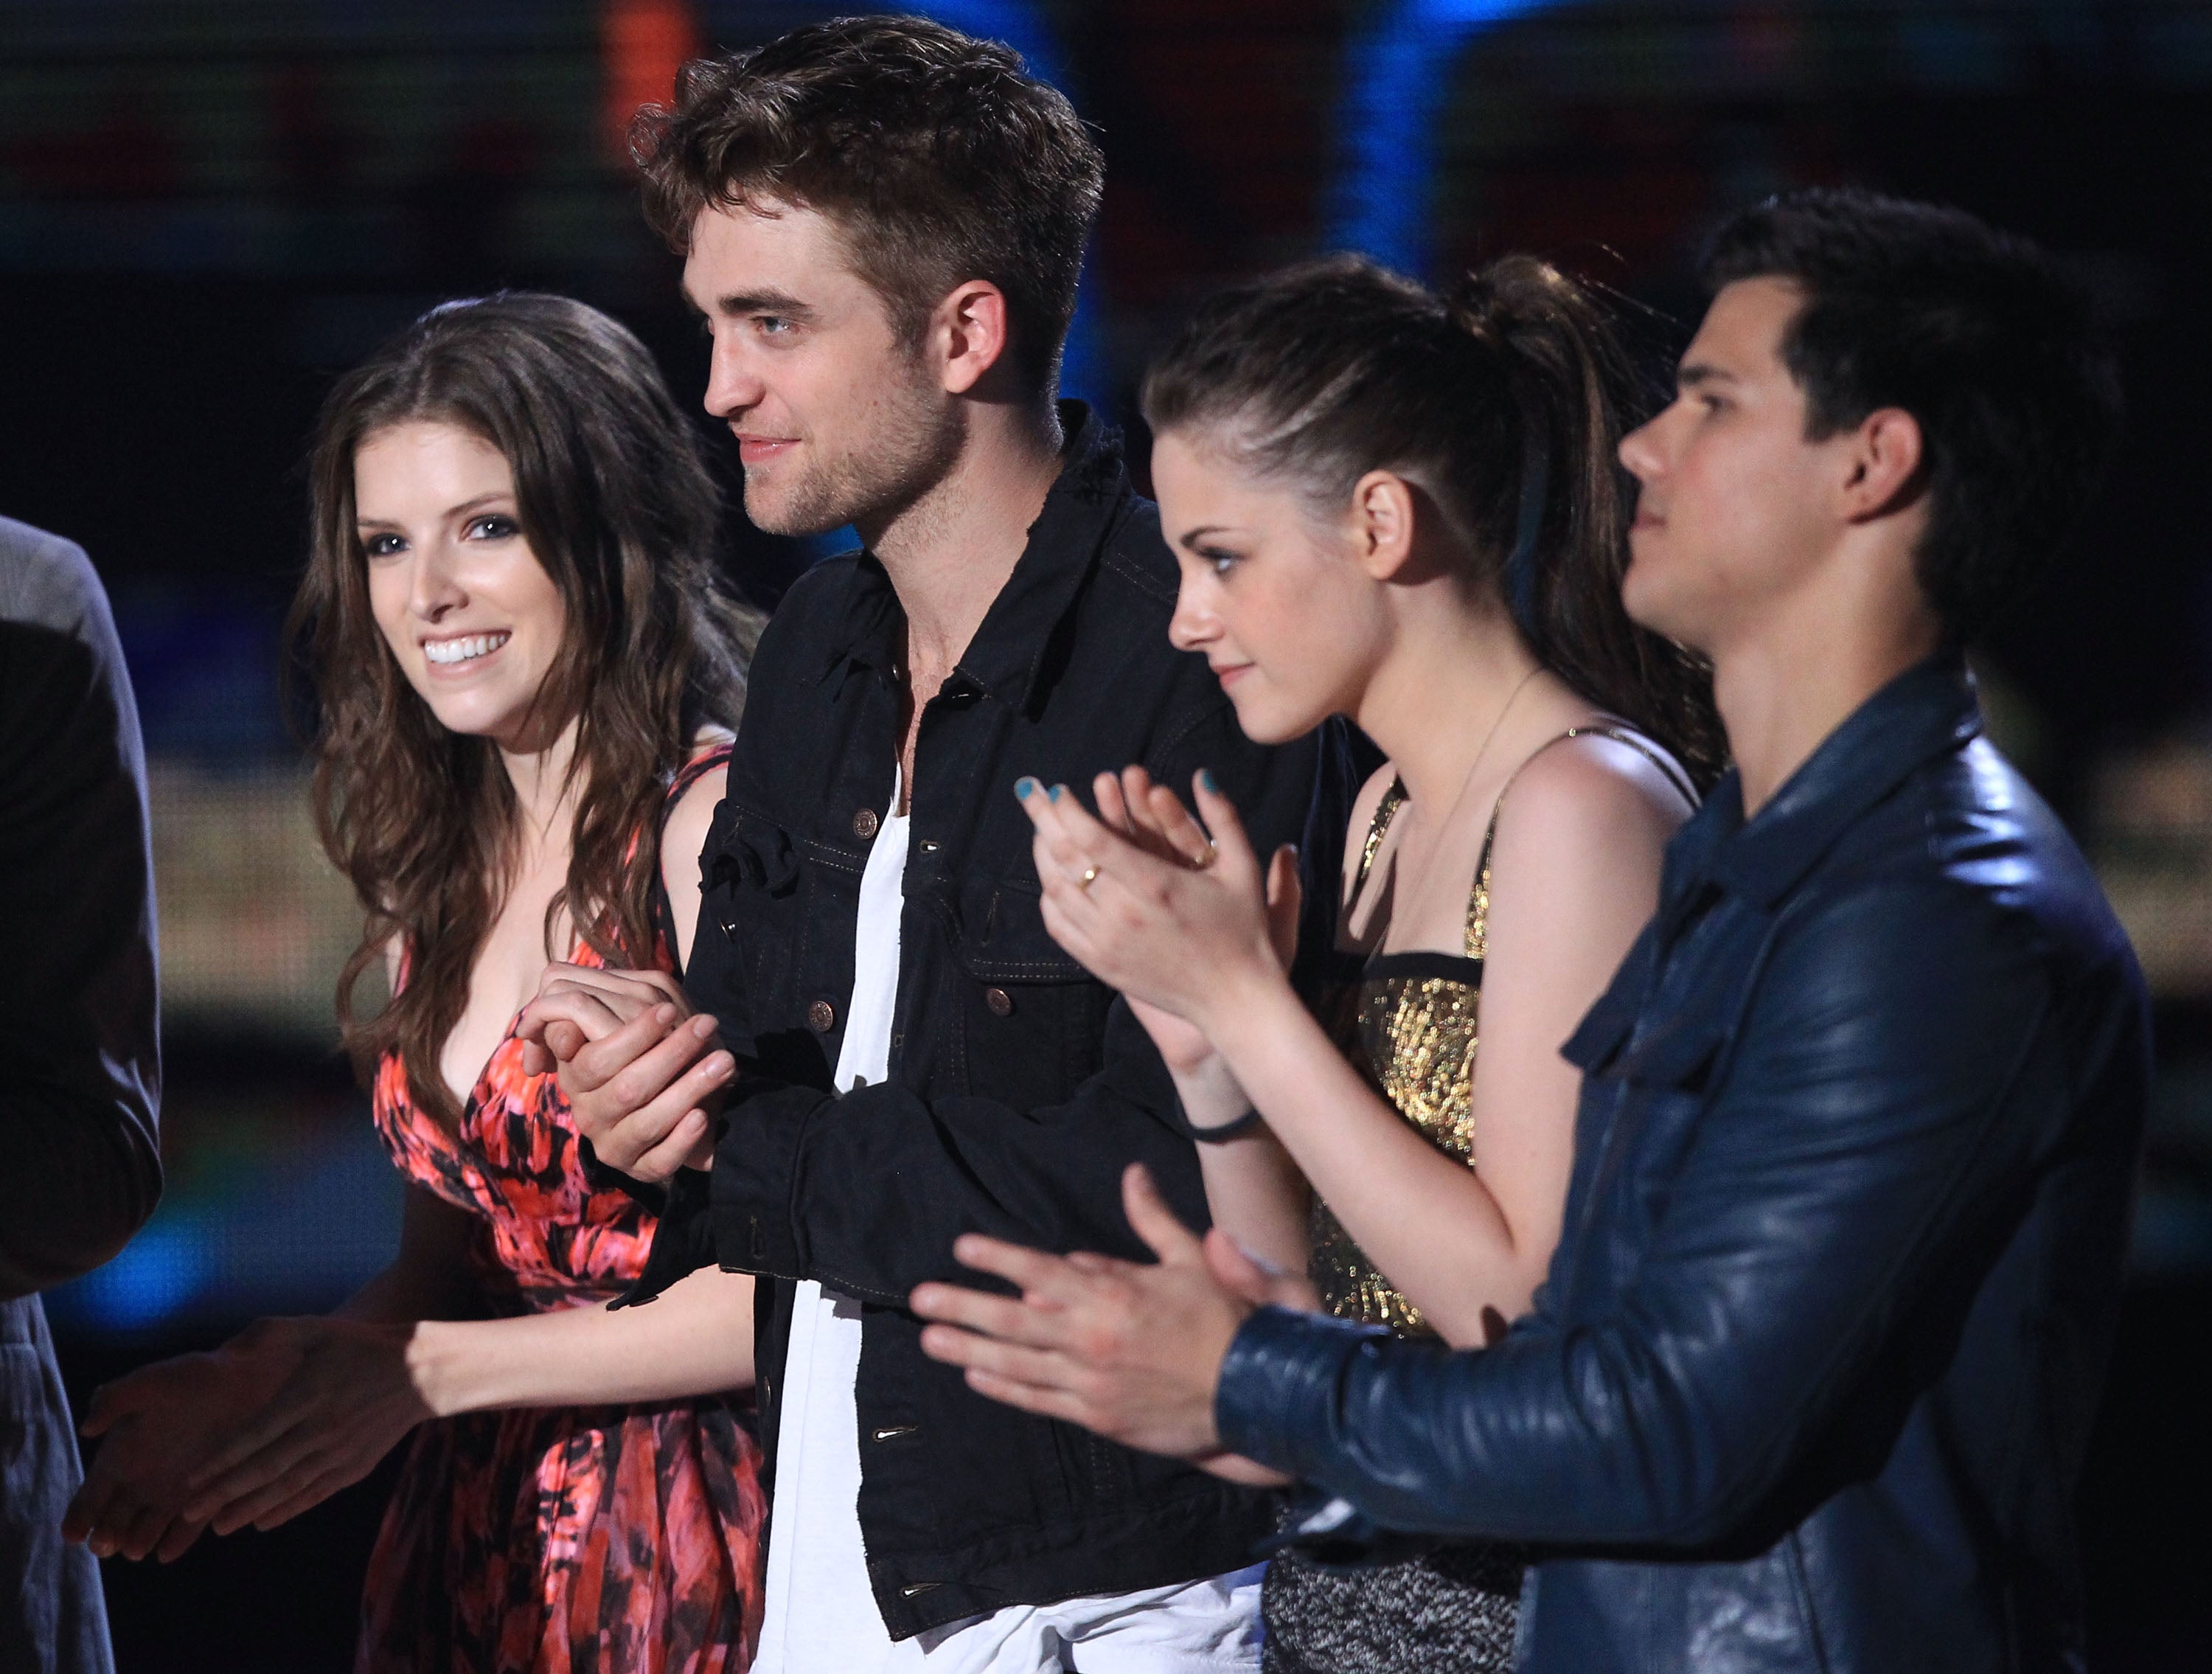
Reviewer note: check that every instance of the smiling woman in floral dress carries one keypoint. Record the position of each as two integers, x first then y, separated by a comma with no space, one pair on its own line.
526,681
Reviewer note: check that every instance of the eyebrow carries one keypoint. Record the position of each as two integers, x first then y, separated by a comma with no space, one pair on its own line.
1190,538
1694,373
738,303
361,522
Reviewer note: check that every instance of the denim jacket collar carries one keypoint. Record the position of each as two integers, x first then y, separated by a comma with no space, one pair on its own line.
1009,648
1924,712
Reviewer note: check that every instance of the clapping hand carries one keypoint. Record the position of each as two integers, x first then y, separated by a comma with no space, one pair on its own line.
1131,1350
1154,906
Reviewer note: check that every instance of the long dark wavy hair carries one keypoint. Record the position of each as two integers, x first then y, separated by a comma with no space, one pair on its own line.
1505,402
615,498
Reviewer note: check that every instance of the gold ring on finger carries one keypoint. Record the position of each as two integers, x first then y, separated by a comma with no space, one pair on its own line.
1090,876
1205,860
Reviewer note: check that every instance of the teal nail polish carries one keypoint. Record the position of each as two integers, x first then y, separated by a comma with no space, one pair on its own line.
1206,778
1056,790
1025,787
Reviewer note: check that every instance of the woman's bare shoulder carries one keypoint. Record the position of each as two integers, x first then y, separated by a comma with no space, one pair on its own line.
683,832
1583,798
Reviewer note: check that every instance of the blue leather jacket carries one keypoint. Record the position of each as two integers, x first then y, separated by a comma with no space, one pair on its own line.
1808,1384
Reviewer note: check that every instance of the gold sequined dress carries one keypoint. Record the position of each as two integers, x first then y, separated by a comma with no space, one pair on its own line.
1409,1023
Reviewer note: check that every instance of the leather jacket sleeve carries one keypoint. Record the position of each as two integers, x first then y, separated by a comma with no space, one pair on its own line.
1866,1141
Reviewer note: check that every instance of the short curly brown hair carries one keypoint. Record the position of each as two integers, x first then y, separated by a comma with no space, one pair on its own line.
938,157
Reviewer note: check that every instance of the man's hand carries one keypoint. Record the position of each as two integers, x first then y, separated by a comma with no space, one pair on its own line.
641,1074
282,1416
1132,1351
158,1425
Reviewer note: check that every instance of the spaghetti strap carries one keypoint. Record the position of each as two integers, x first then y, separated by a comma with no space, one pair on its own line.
1478,900
1392,799
697,768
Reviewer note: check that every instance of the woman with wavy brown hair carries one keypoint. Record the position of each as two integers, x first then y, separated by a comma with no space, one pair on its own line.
525,680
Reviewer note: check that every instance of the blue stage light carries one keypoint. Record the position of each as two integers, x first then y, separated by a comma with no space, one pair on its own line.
1394,82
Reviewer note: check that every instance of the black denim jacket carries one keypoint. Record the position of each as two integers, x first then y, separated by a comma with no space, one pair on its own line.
1019,1087
1810,1380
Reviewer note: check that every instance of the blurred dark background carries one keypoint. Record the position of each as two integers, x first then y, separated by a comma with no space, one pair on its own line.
208,208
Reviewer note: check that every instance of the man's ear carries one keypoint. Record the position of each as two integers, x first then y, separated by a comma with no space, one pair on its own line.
1883,466
1383,523
969,332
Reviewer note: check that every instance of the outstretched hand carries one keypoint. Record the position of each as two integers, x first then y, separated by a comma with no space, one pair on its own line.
641,1074
278,1419
1131,1350
1151,904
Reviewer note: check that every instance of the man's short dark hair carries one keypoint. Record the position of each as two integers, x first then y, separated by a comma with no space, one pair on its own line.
1973,332
938,158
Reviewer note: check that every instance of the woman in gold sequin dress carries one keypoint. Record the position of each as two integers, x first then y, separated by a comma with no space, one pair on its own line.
1403,510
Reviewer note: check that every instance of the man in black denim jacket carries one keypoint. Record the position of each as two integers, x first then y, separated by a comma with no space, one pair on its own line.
1020,1087
1809,1384
1008,618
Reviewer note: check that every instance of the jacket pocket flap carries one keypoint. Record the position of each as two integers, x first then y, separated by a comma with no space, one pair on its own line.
998,934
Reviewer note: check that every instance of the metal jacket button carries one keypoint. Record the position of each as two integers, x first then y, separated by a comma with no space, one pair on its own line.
891,1430
1000,1003
863,822
821,1016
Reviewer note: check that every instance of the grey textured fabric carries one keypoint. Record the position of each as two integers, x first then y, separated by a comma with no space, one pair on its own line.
1453,1610
80,1092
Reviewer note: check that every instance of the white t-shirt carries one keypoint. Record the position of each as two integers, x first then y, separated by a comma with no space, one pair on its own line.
820,1615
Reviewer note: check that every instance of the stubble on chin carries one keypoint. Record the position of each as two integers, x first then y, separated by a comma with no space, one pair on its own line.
911,441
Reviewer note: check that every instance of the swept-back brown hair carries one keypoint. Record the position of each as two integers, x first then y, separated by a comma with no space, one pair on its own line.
615,499
1505,402
937,156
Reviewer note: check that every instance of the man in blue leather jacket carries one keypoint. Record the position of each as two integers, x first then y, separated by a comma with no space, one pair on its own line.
1810,1381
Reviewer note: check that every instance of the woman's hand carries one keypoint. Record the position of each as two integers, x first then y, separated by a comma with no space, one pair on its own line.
1126,803
1175,919
643,1076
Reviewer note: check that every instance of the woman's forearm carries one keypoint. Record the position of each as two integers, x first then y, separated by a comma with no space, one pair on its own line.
1425,1221
1256,1194
696,1338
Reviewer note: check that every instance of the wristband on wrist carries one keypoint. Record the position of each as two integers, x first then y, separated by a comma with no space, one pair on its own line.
1220,1131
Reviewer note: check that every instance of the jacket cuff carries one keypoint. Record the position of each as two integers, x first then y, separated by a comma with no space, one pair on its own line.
1277,1397
682,1242
755,1167
653,1196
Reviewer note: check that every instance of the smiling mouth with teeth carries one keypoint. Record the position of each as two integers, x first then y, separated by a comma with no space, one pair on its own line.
464,649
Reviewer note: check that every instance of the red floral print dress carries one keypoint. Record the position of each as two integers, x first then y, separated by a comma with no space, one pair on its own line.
619,1540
